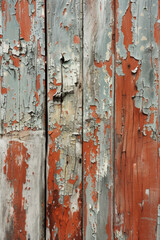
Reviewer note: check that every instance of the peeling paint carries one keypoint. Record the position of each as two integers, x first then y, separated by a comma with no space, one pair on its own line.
64,168
22,143
22,37
15,168
97,118
102,123
136,120
20,175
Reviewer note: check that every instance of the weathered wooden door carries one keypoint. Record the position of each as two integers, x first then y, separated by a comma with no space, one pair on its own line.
79,120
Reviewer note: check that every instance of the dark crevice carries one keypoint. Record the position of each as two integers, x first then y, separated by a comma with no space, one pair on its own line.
59,97
62,59
81,87
46,119
113,121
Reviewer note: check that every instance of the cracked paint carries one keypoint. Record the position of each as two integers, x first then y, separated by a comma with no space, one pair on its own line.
22,142
21,206
22,40
97,118
15,168
101,114
136,120
64,166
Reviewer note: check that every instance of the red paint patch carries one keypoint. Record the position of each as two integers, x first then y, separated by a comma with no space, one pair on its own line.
64,11
15,168
9,13
39,49
14,122
127,26
157,27
76,39
67,28
60,221
23,18
109,224
136,154
38,82
4,10
55,82
15,60
3,90
94,114
37,98
90,150
51,93
98,64
108,65
73,181
17,10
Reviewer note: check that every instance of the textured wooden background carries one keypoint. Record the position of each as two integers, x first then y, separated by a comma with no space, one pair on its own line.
79,120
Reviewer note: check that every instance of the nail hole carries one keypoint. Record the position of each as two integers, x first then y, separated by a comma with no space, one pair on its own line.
62,59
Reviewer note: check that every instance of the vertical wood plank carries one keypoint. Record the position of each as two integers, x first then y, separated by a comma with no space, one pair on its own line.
137,194
98,71
22,142
64,167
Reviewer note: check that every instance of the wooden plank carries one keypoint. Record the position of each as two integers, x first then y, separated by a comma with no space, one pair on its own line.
64,168
98,88
22,143
137,192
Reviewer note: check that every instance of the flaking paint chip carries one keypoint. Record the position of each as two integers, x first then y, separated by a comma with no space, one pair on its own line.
135,70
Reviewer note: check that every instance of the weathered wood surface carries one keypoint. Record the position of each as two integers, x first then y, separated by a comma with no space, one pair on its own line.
22,142
64,166
137,188
98,84
102,74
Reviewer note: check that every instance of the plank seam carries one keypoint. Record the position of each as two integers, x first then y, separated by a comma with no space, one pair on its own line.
113,119
83,163
46,118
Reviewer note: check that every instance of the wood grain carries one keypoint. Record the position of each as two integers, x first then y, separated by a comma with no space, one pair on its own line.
98,89
22,142
64,167
137,120
79,79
